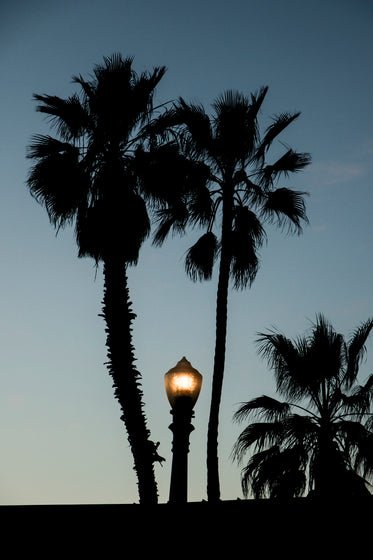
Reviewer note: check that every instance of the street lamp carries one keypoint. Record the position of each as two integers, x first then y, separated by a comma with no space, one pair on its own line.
183,384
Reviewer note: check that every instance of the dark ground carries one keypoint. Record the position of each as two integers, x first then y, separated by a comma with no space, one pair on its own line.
296,529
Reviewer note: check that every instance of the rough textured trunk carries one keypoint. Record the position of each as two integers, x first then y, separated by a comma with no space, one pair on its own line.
118,316
213,484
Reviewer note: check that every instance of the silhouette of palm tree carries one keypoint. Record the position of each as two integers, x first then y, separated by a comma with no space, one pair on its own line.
238,197
99,174
320,440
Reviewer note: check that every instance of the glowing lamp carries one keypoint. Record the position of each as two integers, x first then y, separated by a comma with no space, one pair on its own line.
183,384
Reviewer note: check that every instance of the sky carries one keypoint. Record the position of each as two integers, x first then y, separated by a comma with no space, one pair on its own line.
61,437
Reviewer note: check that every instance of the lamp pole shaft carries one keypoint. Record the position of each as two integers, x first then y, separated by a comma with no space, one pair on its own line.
181,428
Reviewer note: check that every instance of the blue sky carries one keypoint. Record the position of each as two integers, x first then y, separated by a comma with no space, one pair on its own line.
61,437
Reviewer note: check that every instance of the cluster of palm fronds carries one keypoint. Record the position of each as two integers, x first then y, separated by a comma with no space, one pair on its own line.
320,440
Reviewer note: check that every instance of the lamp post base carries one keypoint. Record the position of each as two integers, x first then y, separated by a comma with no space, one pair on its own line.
181,428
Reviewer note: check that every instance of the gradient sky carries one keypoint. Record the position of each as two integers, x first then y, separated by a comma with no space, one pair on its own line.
60,434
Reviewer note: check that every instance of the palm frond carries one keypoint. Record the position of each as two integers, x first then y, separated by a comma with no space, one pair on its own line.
173,218
87,87
356,349
67,116
201,206
45,146
254,194
280,122
114,63
163,126
364,454
275,473
251,122
257,435
200,258
353,432
360,400
196,123
58,179
278,350
227,102
287,208
325,351
167,176
144,90
254,474
235,126
230,120
367,388
246,237
256,102
244,260
285,358
247,223
290,162
300,430
264,407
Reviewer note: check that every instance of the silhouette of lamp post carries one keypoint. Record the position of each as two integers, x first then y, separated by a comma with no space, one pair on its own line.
183,384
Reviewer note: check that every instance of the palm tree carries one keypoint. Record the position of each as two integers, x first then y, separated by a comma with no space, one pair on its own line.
241,193
320,440
101,175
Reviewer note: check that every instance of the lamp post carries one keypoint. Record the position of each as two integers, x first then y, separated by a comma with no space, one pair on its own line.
183,384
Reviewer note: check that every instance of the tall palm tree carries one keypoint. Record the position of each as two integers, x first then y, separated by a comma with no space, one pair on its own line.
242,192
320,440
101,175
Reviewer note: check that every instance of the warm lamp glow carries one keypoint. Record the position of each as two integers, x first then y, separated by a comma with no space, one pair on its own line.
183,382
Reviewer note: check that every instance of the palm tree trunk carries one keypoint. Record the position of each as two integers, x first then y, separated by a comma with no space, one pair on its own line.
328,469
213,484
118,316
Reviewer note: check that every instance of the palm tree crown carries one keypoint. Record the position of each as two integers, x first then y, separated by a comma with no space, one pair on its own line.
241,192
320,440
89,171
234,153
